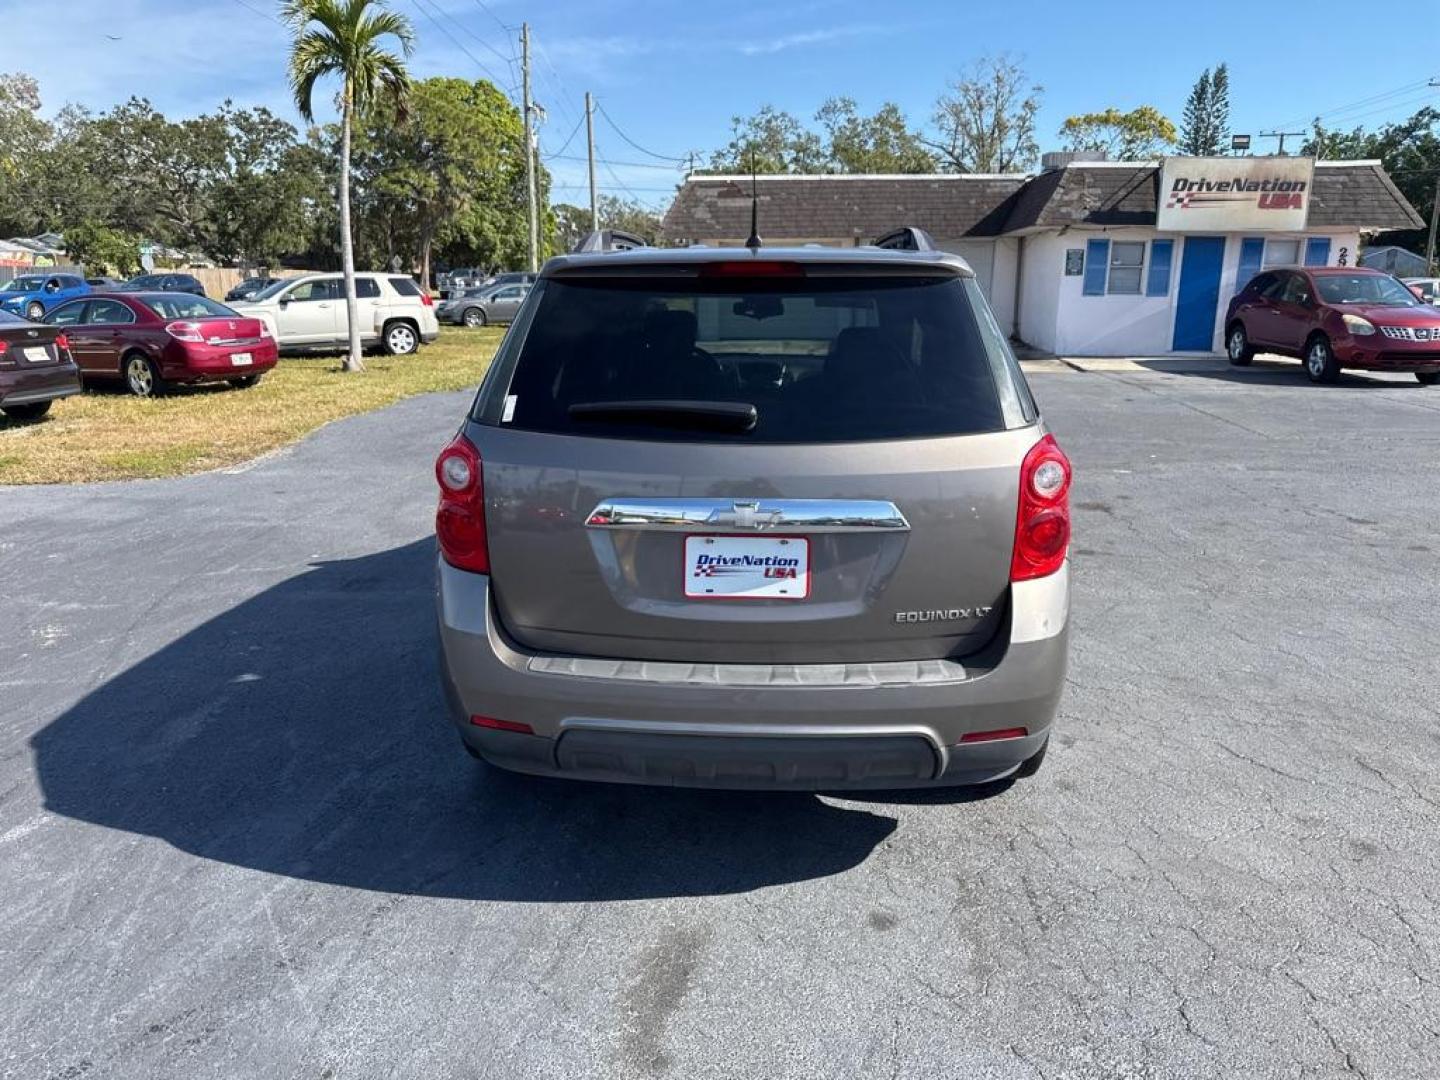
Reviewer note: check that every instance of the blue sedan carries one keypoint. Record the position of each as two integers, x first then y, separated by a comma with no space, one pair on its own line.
33,295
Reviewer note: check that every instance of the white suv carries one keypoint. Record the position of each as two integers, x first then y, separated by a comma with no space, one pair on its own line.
309,312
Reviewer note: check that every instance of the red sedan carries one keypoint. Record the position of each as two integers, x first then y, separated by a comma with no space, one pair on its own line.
1335,317
156,339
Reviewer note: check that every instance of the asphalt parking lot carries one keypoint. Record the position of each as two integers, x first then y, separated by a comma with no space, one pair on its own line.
237,838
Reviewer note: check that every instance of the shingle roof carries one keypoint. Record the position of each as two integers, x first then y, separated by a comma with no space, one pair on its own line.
712,208
1351,194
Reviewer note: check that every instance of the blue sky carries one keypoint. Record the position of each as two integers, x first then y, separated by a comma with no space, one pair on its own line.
671,75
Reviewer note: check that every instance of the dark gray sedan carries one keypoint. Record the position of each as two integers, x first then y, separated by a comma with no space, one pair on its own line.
493,305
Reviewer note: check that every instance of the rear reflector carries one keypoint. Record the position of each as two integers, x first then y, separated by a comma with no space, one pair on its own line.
502,725
752,269
992,736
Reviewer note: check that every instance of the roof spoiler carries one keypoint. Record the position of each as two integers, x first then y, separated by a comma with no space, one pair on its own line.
608,240
907,239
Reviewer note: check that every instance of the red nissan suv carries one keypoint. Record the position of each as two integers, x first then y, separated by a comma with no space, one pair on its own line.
1335,317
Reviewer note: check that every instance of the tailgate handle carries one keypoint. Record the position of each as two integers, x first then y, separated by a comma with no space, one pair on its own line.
746,515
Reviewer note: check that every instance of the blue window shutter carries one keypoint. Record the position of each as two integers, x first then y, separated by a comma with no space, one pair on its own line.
1252,251
1161,255
1317,251
1097,265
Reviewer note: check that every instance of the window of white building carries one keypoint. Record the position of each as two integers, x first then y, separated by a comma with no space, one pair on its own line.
1127,261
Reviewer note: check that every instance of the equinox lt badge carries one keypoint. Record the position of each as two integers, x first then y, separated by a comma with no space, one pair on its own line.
942,614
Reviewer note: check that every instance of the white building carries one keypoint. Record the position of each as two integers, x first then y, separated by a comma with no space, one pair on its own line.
1085,258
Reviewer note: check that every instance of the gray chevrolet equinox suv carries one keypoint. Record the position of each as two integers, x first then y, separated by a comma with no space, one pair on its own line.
755,518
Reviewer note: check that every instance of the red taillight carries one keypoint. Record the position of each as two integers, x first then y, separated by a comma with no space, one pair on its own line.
502,725
427,299
991,736
1042,524
756,268
460,518
4,348
185,331
61,342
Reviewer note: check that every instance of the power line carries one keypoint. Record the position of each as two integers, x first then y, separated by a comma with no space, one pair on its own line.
262,14
557,156
1408,88
560,154
489,11
632,142
459,45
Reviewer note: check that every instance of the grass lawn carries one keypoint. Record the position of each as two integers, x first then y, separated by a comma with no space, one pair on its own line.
106,434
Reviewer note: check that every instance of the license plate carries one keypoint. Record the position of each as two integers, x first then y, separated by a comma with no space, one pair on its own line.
37,354
747,567
240,359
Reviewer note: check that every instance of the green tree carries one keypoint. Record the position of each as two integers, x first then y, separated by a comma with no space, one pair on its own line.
1408,149
771,141
451,175
1205,125
344,38
25,139
101,249
1138,135
881,143
986,118
570,225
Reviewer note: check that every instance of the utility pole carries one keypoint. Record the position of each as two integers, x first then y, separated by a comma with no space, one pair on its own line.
1434,221
1281,135
590,138
529,108
1434,217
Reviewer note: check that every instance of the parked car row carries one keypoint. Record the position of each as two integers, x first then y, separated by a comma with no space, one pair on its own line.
456,282
34,295
488,305
152,340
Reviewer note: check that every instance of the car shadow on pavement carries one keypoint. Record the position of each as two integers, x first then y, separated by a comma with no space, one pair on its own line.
302,733
1265,373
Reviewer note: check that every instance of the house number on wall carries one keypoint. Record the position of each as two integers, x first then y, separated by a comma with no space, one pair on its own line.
1344,256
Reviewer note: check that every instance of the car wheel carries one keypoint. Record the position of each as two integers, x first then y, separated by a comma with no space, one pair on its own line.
401,339
1320,362
1031,765
142,377
1237,346
32,411
1428,378
474,317
245,382
35,312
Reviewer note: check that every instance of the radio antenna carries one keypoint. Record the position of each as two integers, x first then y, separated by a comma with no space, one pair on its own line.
753,243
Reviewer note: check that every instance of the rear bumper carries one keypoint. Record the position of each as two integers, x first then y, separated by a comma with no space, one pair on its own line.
811,727
211,363
29,386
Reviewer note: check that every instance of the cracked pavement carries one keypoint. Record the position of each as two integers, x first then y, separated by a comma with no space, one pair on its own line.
237,837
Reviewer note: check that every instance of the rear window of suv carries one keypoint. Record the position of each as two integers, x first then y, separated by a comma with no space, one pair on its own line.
821,359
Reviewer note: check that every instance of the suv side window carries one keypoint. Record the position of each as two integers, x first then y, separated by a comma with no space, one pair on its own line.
1273,286
1297,290
404,286
366,288
308,291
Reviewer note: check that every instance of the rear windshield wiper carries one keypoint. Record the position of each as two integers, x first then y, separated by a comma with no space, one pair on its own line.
702,415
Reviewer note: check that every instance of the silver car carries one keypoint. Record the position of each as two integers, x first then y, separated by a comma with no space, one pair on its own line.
494,305
781,519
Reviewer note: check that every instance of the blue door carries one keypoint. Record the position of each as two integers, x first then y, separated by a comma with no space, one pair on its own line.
1199,294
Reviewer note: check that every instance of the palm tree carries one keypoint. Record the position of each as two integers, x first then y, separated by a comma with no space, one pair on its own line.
343,37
